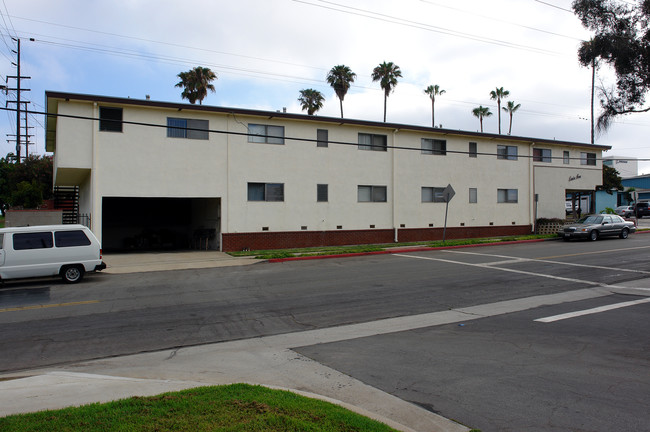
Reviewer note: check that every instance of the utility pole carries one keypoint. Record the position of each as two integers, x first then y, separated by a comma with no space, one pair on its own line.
20,137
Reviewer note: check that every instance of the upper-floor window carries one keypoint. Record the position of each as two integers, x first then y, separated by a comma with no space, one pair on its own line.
322,138
268,134
434,146
507,152
588,159
542,155
371,193
473,149
372,142
110,119
433,194
187,128
265,191
566,158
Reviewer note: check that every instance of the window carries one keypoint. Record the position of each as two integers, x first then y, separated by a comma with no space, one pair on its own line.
187,128
1,239
473,195
371,193
507,152
433,194
507,195
36,240
71,238
588,159
542,155
566,158
434,147
372,142
473,149
265,134
321,193
322,138
265,191
110,119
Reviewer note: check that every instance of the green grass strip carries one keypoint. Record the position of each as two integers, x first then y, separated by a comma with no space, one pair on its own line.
237,407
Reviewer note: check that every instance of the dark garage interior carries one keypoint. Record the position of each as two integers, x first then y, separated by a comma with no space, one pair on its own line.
160,224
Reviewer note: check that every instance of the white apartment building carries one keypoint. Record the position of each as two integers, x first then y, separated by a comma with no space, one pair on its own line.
167,175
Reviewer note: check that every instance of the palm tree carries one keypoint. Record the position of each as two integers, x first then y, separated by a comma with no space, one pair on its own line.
497,95
386,74
311,100
196,83
433,91
511,108
481,112
340,78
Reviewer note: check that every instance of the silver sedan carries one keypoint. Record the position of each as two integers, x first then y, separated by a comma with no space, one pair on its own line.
594,226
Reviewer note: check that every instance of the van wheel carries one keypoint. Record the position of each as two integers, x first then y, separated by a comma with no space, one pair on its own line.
72,274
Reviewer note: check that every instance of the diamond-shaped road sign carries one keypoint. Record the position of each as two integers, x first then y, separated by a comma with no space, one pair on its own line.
448,193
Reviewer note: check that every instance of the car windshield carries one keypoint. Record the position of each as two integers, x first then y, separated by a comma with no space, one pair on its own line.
591,220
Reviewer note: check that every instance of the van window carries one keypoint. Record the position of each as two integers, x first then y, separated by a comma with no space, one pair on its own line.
71,238
1,238
36,240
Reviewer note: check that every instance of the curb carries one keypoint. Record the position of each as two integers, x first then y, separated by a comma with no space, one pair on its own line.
403,250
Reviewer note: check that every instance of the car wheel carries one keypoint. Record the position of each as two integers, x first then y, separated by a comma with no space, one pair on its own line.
593,235
72,274
624,233
566,238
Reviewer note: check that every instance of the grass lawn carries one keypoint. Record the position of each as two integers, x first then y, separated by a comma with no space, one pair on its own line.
334,250
237,407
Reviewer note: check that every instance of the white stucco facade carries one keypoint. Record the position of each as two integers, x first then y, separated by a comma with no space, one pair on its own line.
142,161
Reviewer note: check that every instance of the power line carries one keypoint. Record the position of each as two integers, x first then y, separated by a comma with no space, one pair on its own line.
423,26
553,6
289,138
469,12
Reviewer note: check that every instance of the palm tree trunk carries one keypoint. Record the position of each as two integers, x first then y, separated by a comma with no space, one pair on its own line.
341,101
510,128
481,120
593,80
499,112
433,112
385,100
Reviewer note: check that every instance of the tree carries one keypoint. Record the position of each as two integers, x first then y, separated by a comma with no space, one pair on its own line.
511,108
481,112
26,184
433,91
386,74
621,40
611,179
340,78
196,83
497,95
311,100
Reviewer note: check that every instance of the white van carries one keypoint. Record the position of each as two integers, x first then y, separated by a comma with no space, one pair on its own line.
38,251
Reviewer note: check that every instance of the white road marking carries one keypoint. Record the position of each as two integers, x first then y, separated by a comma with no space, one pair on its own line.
490,266
591,311
517,259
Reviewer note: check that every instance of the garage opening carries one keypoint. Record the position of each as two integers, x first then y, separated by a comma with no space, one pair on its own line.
153,224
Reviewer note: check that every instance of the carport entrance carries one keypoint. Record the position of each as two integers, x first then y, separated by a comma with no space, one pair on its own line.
150,224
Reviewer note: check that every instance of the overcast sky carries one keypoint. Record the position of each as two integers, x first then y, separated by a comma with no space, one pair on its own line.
266,51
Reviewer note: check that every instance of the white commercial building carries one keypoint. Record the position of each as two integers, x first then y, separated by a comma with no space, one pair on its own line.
167,175
626,167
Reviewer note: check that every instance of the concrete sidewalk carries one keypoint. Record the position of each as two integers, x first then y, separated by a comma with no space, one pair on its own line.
118,263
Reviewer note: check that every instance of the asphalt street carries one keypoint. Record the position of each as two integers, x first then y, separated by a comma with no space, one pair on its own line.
497,370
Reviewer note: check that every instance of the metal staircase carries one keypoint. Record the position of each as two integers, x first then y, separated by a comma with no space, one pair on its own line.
66,198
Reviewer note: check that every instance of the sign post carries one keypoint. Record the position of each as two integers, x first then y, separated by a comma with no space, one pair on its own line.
448,194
